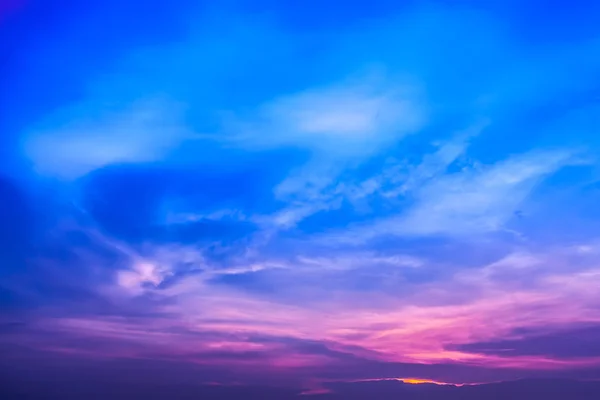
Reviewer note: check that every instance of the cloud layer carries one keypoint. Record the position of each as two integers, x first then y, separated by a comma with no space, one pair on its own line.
408,195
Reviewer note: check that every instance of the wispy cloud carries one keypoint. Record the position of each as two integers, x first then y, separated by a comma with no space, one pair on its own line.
478,199
80,141
341,125
352,118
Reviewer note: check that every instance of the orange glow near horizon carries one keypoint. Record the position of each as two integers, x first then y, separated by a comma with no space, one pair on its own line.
413,381
417,381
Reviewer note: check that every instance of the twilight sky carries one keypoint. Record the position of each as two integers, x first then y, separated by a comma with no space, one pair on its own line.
317,190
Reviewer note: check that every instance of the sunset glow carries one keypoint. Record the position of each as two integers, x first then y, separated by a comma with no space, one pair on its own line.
303,197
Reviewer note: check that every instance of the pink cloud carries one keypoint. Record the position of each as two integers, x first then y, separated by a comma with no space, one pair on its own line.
210,324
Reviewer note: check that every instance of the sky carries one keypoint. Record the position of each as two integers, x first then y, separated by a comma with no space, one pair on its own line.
306,192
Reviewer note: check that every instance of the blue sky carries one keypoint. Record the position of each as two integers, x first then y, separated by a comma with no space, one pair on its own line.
401,188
